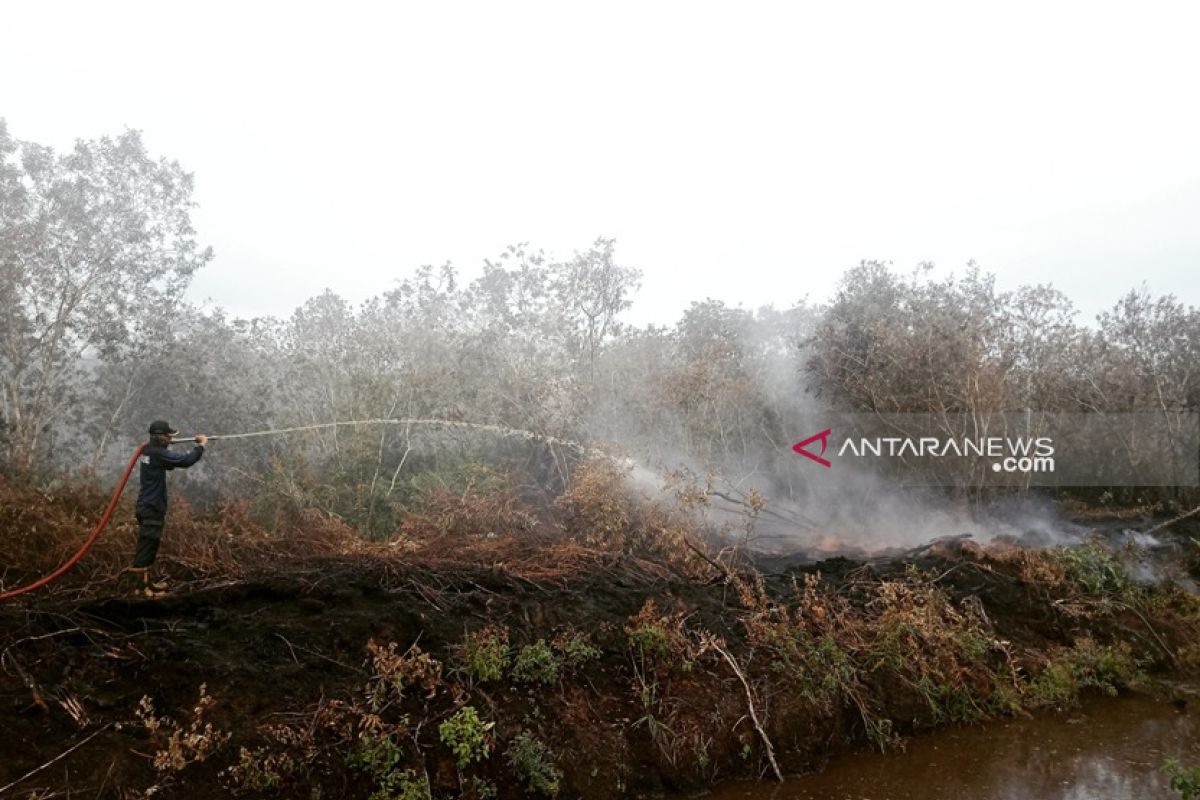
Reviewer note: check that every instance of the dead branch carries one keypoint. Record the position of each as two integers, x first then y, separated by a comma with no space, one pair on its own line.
702,555
715,644
58,757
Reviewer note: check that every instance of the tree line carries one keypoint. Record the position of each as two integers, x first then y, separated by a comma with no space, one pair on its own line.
97,249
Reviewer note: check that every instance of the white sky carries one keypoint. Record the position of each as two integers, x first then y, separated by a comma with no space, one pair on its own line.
744,151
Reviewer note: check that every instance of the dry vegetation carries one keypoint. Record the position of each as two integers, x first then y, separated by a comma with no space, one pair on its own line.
494,647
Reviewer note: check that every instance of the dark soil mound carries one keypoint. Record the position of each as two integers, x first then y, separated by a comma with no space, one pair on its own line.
609,682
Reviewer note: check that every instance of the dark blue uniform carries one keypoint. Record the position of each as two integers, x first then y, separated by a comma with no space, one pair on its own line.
156,462
151,508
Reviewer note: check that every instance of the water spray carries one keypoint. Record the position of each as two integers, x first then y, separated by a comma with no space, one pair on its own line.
500,430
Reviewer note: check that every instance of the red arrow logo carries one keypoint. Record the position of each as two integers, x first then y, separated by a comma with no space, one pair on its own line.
824,437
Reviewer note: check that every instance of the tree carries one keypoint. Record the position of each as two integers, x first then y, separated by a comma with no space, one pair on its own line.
592,291
95,244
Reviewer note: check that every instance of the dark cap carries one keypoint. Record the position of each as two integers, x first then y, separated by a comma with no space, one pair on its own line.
163,427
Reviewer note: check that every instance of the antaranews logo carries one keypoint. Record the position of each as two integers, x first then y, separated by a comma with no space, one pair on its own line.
824,437
1025,448
1010,454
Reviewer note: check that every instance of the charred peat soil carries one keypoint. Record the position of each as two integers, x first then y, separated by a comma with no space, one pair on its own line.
595,649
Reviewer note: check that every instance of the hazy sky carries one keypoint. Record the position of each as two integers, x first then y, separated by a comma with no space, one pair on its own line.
744,151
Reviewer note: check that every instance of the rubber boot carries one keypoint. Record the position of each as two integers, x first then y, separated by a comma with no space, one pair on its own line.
159,585
134,580
144,586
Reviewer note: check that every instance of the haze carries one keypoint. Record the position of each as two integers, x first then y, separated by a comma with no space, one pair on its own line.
749,154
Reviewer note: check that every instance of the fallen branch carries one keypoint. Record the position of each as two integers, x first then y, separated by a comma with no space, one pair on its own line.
702,555
1166,650
58,757
714,643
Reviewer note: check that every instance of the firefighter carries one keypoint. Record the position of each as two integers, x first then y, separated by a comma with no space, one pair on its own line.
151,509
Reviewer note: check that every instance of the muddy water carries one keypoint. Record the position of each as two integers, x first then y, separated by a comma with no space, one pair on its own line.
1111,750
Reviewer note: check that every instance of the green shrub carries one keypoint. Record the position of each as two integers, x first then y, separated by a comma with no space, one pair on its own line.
408,786
376,755
466,735
486,653
650,640
482,789
576,649
1054,686
537,663
1087,665
822,669
530,760
1107,668
1185,780
380,757
1094,569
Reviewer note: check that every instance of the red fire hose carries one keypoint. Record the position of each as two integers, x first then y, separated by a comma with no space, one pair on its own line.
108,512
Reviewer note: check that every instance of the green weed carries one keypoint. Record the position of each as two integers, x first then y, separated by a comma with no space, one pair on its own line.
482,789
1094,569
1087,665
1185,780
380,757
486,653
575,649
650,640
537,663
467,736
531,761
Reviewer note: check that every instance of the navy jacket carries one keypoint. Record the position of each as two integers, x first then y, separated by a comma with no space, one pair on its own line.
152,497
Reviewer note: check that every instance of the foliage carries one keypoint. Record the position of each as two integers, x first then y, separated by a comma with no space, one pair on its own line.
534,343
908,646
650,634
379,756
261,769
896,343
1188,658
575,648
183,746
486,653
1086,665
395,672
531,760
467,736
478,510
92,241
537,663
597,508
482,789
1185,780
1095,569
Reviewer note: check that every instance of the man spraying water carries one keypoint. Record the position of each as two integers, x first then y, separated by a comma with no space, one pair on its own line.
151,508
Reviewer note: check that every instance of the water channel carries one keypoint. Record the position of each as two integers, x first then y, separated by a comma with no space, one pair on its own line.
1111,749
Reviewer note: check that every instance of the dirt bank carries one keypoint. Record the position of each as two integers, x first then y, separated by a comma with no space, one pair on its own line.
352,678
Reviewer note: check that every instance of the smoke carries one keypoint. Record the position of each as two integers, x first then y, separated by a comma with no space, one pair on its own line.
751,419
862,515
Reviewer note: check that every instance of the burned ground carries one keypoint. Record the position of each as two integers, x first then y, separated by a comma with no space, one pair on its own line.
484,664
